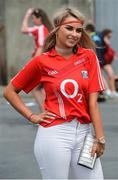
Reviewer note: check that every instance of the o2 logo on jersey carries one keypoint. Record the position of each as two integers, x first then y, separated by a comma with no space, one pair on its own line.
75,92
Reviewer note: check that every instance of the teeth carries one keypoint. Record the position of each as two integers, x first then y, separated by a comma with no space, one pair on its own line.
72,39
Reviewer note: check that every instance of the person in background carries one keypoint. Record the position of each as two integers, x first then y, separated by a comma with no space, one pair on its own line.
42,26
71,77
90,29
97,39
109,56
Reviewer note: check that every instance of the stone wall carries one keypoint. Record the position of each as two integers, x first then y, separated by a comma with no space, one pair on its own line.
3,65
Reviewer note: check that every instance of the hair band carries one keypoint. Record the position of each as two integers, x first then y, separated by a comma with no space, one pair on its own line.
78,21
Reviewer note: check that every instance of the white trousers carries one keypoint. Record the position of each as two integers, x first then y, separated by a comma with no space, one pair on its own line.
57,150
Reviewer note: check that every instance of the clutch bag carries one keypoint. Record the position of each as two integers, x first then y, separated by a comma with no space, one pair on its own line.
85,158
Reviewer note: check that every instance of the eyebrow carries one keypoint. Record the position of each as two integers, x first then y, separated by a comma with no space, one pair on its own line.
70,25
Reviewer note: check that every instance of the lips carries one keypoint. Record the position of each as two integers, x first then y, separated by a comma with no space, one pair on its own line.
73,41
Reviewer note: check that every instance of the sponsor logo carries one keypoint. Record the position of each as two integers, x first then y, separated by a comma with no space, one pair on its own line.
75,93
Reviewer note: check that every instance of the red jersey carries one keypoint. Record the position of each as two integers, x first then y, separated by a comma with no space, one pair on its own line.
67,83
39,33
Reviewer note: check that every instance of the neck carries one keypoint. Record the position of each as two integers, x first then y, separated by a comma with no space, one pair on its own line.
64,51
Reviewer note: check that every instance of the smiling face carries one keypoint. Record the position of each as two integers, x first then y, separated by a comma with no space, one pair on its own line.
69,34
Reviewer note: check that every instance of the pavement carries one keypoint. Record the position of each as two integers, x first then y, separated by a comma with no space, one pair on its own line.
1,90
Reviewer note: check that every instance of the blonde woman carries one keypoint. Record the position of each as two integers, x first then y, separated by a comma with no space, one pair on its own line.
71,77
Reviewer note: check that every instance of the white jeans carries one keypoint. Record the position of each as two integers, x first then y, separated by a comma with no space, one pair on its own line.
57,150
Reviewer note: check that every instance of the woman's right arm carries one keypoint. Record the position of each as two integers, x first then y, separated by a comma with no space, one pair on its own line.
25,24
12,95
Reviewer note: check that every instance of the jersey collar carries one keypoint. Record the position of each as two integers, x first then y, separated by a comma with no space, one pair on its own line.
54,53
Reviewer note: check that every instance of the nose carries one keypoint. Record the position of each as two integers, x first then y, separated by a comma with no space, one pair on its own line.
74,33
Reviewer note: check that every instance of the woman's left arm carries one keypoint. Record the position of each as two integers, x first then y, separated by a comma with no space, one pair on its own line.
95,116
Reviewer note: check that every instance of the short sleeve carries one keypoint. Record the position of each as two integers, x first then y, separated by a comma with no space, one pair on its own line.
96,83
32,30
29,77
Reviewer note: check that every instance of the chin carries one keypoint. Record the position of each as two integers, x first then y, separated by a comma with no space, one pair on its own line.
71,45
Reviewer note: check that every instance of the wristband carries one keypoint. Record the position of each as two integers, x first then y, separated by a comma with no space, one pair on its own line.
31,115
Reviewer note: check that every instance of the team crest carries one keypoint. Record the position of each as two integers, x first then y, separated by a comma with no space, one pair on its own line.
84,74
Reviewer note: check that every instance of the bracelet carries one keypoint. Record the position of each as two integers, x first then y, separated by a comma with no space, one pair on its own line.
31,115
100,140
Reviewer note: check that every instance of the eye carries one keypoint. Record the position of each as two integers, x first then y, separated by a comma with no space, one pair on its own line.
79,30
69,28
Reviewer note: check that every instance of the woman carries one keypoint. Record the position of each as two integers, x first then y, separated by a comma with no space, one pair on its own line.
109,56
42,26
71,77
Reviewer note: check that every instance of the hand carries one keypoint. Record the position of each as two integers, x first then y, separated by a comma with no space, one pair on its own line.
98,149
29,11
37,118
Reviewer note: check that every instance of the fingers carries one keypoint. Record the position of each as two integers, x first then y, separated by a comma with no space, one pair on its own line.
46,115
43,120
49,115
94,150
101,150
97,149
100,154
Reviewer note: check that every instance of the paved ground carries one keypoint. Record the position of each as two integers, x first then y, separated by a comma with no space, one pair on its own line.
17,137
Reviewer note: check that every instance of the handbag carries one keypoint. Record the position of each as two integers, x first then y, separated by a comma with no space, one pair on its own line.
85,159
116,84
109,55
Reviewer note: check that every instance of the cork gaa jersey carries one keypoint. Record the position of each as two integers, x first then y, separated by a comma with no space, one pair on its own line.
67,83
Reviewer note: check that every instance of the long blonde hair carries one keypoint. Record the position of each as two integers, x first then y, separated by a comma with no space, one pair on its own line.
60,16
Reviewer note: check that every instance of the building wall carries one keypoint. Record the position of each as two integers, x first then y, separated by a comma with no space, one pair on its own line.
19,46
3,65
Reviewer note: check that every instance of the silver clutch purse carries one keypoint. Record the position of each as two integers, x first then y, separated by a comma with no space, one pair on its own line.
85,158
